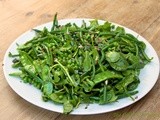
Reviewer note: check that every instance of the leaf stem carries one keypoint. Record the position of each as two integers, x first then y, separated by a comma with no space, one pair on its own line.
66,72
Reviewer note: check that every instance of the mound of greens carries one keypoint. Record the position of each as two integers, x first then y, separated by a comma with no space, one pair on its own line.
73,64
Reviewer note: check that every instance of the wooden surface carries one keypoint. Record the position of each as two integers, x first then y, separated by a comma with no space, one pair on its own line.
18,16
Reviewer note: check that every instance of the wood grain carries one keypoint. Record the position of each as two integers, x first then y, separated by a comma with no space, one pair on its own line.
18,16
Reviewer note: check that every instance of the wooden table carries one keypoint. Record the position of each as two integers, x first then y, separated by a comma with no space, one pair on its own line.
18,16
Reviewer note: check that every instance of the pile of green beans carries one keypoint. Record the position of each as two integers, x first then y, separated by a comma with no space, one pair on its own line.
73,64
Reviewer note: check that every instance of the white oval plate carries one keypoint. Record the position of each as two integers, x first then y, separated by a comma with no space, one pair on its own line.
148,76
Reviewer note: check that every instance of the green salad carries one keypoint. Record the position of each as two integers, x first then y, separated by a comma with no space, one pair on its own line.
72,65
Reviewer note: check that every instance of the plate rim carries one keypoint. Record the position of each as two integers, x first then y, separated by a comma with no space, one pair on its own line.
75,19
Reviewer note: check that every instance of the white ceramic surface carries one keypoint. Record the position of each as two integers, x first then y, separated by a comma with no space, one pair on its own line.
148,76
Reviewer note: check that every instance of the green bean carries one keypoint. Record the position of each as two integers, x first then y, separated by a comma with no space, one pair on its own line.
55,23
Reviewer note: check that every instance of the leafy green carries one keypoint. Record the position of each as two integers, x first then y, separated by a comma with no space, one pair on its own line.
47,88
71,64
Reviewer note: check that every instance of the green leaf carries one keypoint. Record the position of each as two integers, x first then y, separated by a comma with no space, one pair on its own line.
135,61
88,85
108,96
48,88
123,95
105,27
67,107
56,77
95,55
125,82
120,30
106,75
94,23
117,61
46,75
87,62
112,56
58,97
